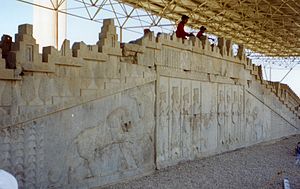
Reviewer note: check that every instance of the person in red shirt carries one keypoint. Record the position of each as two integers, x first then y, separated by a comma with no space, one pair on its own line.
180,33
200,33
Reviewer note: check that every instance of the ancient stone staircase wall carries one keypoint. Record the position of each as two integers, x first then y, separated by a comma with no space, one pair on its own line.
209,101
90,115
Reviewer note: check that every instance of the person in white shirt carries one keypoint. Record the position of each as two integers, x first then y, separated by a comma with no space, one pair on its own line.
7,180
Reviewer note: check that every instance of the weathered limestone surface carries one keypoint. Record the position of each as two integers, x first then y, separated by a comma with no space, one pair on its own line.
91,115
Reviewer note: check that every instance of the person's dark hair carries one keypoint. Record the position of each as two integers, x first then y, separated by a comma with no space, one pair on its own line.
184,17
147,30
202,28
298,143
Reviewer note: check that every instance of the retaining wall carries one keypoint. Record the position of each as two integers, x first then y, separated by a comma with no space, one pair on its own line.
91,115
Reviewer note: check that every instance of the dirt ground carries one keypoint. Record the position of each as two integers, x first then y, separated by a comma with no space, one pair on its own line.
259,166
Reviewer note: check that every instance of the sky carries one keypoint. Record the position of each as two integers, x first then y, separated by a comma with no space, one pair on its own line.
14,13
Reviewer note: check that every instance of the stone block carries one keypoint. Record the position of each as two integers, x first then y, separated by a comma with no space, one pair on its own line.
108,39
2,61
88,92
128,47
221,45
229,48
62,100
26,38
81,50
41,67
25,29
148,41
65,49
112,83
6,93
241,52
8,74
47,52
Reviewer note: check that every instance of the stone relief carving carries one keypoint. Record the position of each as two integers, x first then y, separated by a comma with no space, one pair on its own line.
186,101
196,122
115,136
45,90
254,132
3,112
164,109
30,160
235,108
249,120
21,154
237,113
258,125
251,116
241,114
120,141
227,127
41,173
28,89
221,108
139,106
106,148
209,124
235,118
5,95
37,84
164,126
207,121
186,123
221,117
196,102
224,69
184,60
17,154
5,150
267,126
92,71
175,124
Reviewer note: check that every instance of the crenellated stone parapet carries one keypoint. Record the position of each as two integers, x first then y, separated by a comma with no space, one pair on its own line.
7,74
25,55
63,57
58,79
108,39
190,58
88,52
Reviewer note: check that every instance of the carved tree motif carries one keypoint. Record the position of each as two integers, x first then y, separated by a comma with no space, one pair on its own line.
5,149
17,154
30,157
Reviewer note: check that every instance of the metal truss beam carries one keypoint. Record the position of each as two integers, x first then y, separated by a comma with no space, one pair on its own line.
268,27
251,22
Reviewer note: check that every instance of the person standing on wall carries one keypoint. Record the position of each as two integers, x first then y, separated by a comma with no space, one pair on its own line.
180,33
201,32
6,45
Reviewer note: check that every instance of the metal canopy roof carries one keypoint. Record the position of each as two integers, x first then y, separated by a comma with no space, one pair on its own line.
270,27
